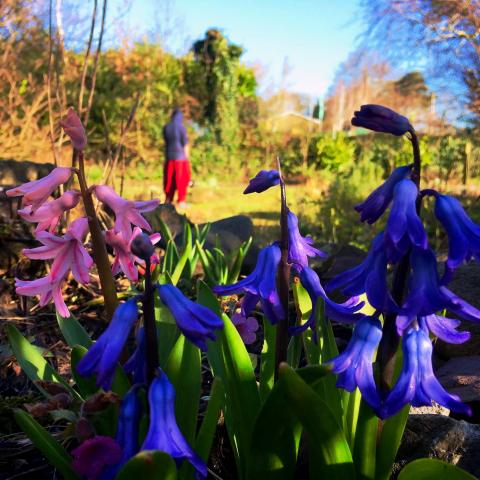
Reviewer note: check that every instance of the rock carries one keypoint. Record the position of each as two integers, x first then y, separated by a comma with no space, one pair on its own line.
441,437
175,222
465,284
13,172
461,376
434,409
341,258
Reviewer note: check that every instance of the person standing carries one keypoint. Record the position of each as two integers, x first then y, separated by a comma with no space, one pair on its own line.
176,175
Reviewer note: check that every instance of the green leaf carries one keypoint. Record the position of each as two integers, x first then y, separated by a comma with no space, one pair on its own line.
273,454
33,364
52,450
429,468
183,369
238,262
364,451
73,332
267,366
166,232
205,436
182,261
86,386
389,442
330,455
149,465
230,361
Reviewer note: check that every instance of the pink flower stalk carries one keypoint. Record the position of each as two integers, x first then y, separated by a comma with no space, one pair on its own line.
124,258
37,192
49,214
246,326
74,129
68,253
94,454
127,212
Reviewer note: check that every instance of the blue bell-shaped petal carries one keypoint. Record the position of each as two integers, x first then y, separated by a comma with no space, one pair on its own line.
369,277
354,364
377,202
343,313
445,329
261,283
426,295
404,227
381,119
103,356
299,248
195,321
417,384
463,234
163,433
263,181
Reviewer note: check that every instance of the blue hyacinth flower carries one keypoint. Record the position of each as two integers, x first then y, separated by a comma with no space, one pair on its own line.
377,202
127,430
260,285
445,328
195,321
417,384
163,433
136,365
381,119
426,295
263,181
370,277
103,356
299,248
354,364
340,312
404,227
463,234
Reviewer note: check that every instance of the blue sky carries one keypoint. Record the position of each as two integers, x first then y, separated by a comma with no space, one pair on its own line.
314,35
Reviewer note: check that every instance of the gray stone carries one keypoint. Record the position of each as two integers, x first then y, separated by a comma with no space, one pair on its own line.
441,437
461,376
13,172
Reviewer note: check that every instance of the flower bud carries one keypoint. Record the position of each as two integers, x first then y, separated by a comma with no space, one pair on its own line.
142,246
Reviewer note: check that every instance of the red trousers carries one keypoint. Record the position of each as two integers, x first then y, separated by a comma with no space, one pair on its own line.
176,176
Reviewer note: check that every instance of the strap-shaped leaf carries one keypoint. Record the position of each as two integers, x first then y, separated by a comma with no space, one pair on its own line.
432,468
52,450
32,362
365,449
73,332
183,259
330,455
149,465
183,369
267,365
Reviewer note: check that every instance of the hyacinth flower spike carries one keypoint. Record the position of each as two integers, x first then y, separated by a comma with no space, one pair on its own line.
195,321
37,192
127,212
103,356
377,202
74,129
426,295
417,384
299,248
354,364
369,277
343,313
260,285
463,233
381,119
163,433
263,181
127,431
404,227
48,215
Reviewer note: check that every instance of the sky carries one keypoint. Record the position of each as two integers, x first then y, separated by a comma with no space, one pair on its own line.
312,37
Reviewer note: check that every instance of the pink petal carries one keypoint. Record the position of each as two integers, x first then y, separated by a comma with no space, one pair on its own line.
78,229
60,305
41,253
74,129
146,206
155,238
134,217
62,263
31,288
80,268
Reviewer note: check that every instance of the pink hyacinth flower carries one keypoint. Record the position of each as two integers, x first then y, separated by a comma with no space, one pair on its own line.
37,192
94,455
246,327
68,253
124,258
127,212
74,129
49,214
